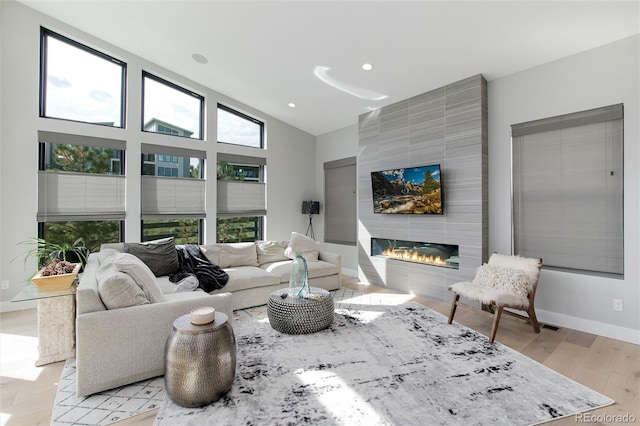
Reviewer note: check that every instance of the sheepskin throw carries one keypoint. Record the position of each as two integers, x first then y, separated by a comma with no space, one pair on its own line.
504,281
503,278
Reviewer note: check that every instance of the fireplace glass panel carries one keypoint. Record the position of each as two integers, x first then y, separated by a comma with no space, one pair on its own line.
443,255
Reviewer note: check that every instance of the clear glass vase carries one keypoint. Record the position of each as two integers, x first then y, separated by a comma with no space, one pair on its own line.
299,277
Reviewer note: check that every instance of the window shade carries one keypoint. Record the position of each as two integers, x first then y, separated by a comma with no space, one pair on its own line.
568,190
340,201
241,198
80,196
172,197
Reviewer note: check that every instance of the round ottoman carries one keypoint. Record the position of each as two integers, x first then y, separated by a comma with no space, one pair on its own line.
200,361
297,315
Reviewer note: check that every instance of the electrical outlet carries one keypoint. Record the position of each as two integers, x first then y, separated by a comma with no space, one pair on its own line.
5,284
617,305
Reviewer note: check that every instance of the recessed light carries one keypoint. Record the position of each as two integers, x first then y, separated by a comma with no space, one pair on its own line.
291,104
367,66
199,58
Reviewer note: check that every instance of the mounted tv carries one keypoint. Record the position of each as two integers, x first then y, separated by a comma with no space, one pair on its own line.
411,190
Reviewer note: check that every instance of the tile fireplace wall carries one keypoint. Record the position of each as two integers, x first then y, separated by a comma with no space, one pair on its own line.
446,126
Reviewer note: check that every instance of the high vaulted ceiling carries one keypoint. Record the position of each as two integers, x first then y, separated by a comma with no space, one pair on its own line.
267,54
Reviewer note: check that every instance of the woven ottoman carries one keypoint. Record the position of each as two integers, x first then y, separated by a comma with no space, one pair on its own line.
297,315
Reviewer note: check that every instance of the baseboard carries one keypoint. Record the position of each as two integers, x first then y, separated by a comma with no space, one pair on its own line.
588,326
17,306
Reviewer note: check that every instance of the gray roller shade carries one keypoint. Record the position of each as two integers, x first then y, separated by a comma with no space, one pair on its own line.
568,190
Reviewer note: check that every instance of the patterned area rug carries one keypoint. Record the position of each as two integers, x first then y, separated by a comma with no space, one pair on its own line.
382,362
103,408
383,365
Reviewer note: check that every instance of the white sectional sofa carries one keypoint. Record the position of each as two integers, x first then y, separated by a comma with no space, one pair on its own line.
121,345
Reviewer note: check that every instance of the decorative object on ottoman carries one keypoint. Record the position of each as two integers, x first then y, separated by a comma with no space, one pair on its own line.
299,277
200,360
57,275
300,315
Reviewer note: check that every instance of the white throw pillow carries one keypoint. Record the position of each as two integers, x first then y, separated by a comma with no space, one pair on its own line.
117,289
141,274
503,278
310,249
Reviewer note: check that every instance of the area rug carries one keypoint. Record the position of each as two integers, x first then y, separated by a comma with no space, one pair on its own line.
383,365
103,408
382,362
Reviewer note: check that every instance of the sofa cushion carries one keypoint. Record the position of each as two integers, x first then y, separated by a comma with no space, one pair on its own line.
106,255
141,274
246,277
159,255
271,251
309,248
316,269
117,289
228,255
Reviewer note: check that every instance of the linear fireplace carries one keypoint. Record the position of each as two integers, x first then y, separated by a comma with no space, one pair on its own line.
443,255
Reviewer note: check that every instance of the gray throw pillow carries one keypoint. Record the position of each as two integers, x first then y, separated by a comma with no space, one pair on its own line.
159,255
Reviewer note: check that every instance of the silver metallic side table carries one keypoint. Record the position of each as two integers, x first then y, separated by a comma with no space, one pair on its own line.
297,315
200,361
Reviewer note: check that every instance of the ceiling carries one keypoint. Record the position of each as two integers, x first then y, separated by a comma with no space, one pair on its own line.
267,54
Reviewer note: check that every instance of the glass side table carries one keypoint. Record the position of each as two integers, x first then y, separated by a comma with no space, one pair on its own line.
56,321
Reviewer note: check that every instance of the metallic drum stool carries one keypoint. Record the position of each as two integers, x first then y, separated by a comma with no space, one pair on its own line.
200,361
297,315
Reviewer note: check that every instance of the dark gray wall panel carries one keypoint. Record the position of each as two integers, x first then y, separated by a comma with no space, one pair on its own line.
448,126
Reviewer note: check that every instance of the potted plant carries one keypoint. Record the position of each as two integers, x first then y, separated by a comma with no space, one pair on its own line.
45,252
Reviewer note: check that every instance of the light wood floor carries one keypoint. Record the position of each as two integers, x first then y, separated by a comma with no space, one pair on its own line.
608,366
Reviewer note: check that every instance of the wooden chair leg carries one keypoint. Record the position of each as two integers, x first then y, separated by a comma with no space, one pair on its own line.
454,305
534,320
496,320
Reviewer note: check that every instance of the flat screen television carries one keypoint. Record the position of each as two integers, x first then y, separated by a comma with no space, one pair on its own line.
410,190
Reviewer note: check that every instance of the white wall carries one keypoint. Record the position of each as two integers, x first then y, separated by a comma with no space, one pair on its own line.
599,77
342,143
290,152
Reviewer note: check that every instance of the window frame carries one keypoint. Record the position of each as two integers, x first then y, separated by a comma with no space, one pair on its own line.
254,120
44,33
179,88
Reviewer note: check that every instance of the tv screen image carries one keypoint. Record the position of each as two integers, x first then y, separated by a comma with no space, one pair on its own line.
411,190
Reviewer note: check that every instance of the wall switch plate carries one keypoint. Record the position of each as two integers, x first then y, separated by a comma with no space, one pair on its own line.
617,305
5,284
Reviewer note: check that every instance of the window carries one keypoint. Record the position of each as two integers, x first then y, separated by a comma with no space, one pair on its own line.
241,198
568,190
239,229
340,201
80,189
184,231
171,109
93,233
239,129
79,83
173,198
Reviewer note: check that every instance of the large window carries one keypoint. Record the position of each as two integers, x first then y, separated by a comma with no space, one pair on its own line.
340,201
241,198
173,193
239,129
568,190
170,109
79,83
80,189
